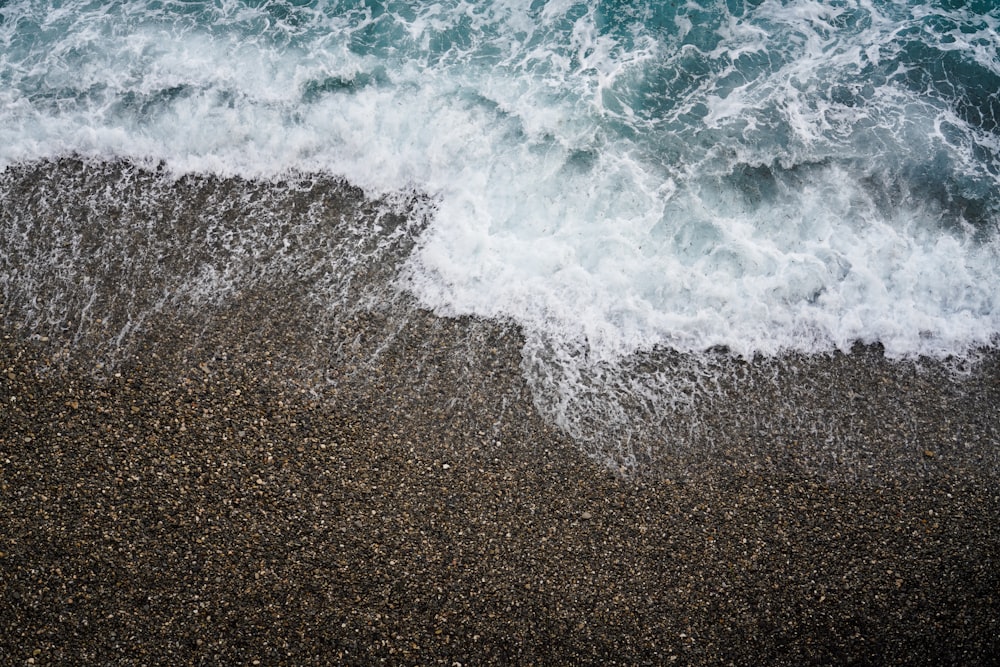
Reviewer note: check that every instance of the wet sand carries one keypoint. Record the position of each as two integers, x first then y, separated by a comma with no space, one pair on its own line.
252,480
207,506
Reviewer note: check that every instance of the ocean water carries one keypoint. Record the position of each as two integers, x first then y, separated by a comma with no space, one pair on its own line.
618,179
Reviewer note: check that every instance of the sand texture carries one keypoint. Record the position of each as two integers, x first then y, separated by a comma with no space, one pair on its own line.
258,478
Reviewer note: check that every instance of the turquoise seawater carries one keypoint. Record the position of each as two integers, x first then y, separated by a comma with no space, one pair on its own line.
765,175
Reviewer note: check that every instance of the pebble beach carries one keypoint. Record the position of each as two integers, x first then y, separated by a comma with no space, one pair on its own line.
236,484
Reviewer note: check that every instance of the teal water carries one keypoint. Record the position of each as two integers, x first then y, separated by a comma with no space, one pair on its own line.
614,176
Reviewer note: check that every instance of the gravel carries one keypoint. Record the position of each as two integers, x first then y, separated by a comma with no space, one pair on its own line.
224,439
224,509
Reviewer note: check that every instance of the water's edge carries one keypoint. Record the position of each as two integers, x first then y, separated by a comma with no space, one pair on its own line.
105,264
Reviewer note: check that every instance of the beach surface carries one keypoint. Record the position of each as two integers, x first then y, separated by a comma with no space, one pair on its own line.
252,481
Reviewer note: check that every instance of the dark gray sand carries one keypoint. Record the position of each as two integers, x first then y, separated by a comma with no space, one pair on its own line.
239,485
189,510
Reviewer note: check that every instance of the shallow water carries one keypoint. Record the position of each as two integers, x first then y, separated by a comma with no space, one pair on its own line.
106,264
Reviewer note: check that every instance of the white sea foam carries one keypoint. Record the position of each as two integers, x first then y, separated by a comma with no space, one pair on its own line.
586,184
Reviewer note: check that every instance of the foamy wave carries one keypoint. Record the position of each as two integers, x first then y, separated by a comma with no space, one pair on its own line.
790,177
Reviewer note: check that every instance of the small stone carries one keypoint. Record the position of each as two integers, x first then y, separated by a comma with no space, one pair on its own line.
586,516
928,453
